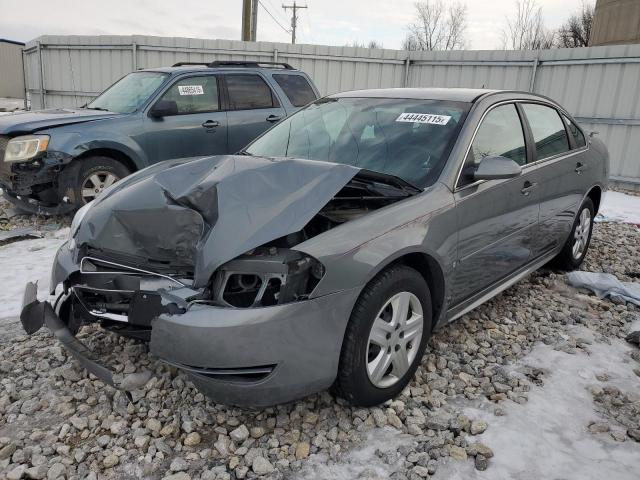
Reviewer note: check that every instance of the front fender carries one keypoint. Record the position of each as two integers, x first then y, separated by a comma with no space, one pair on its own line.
357,251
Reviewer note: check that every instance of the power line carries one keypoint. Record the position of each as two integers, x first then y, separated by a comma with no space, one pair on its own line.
277,12
273,18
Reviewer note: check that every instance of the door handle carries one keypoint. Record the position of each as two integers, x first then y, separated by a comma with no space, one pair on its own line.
211,124
528,186
579,168
274,118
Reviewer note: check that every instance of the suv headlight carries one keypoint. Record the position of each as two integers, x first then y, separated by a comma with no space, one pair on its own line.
26,147
266,276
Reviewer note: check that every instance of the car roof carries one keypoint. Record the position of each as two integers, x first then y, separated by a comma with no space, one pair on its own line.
452,94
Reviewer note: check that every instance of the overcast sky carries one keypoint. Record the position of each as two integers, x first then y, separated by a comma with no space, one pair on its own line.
327,22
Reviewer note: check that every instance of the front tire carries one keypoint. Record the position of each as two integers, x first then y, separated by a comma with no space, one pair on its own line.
385,338
575,248
95,175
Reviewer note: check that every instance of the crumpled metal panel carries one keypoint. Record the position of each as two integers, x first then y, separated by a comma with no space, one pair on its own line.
204,212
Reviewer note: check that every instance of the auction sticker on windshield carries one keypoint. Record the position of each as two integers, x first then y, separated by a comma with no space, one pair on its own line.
423,118
190,90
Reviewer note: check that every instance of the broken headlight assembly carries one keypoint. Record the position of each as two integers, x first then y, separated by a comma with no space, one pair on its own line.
21,149
266,276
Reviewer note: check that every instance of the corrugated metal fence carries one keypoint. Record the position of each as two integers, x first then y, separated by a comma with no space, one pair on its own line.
599,85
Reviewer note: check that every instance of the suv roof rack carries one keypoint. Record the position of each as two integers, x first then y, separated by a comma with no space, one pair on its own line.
236,63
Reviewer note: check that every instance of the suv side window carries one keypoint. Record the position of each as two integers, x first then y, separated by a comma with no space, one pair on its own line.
499,134
296,88
575,132
194,94
248,92
548,130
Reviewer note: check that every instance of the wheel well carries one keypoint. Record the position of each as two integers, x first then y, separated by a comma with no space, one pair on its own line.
430,270
115,154
595,194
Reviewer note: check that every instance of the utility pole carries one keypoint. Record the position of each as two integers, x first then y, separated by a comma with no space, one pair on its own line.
254,20
246,20
294,18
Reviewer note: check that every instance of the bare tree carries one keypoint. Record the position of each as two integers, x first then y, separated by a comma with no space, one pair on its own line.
369,44
576,31
438,26
526,30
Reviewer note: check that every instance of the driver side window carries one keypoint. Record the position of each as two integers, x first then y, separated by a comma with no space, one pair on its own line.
194,95
500,134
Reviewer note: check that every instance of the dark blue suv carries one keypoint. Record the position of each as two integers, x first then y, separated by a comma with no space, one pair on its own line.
53,161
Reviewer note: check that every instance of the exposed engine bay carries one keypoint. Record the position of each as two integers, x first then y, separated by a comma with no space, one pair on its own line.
124,294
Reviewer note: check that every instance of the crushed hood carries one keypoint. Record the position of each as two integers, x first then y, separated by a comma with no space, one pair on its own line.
201,213
28,122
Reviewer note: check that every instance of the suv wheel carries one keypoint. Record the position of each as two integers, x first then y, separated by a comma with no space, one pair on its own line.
577,245
96,174
385,338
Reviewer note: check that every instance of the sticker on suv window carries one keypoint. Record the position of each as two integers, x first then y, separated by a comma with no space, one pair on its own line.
423,118
190,90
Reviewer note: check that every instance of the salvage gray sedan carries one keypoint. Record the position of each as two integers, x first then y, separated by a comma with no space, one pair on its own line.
327,252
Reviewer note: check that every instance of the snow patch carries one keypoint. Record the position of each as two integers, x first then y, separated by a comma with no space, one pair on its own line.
619,207
26,261
547,437
360,462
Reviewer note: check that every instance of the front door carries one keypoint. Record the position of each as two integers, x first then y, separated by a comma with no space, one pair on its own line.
198,128
496,218
253,108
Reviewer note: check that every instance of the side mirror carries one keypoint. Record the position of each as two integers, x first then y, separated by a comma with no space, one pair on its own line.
496,168
164,108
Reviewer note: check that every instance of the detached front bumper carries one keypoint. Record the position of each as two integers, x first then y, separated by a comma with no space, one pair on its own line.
253,357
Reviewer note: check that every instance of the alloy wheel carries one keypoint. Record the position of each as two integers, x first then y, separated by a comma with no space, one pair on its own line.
394,339
96,183
581,233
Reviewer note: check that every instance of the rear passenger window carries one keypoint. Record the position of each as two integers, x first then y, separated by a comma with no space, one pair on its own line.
548,131
194,94
575,132
499,134
247,92
297,89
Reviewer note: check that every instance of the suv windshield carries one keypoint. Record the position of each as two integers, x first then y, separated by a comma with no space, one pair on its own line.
410,139
129,93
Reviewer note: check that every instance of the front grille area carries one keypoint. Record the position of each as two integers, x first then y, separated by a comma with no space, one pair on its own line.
5,168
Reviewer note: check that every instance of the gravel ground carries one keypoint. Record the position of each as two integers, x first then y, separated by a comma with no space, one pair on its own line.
57,422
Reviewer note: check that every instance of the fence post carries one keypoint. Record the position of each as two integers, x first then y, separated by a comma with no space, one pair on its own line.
134,53
407,64
275,55
43,103
26,83
534,69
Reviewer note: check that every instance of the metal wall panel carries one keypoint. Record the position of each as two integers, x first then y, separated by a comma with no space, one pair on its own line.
11,70
599,85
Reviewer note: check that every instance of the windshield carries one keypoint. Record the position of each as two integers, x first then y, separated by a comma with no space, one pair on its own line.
129,93
410,139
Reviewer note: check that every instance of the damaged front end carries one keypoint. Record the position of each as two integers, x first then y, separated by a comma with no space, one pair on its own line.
200,259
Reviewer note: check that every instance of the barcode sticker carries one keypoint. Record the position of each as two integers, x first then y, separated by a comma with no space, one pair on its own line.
190,90
423,118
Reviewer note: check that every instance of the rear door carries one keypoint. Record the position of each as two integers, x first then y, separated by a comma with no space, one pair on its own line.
253,107
198,128
497,219
558,165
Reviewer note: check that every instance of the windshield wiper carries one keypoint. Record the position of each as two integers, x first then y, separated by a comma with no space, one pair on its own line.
387,179
98,108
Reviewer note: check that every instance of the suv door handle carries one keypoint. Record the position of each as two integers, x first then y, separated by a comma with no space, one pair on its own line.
579,168
211,124
528,186
274,118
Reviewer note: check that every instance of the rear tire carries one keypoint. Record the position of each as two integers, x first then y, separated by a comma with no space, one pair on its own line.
575,248
385,338
95,175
